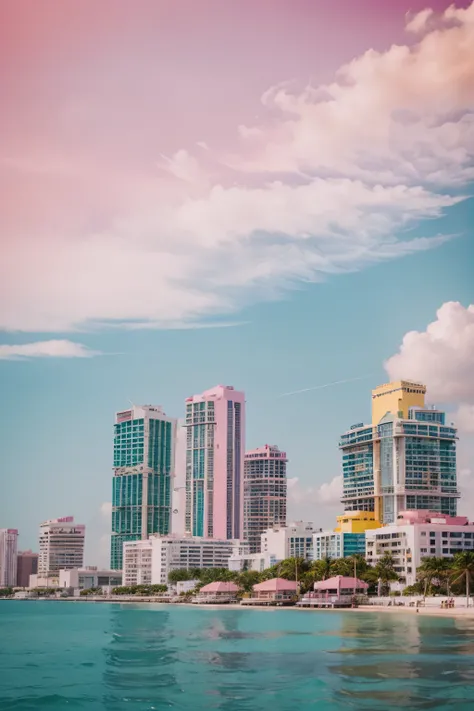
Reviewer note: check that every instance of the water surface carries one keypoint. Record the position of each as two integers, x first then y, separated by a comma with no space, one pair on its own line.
64,655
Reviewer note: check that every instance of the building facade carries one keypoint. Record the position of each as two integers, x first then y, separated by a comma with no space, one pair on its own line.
215,446
348,538
292,541
150,562
144,457
61,545
90,577
405,460
333,544
8,557
27,564
417,535
240,562
265,493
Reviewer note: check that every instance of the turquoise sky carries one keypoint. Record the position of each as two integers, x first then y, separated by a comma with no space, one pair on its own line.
57,425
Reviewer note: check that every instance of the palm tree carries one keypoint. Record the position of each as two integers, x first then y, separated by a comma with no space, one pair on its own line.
434,567
463,567
385,569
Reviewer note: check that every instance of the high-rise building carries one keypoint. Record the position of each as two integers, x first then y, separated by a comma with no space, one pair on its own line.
61,546
265,493
8,557
215,446
144,453
404,460
27,564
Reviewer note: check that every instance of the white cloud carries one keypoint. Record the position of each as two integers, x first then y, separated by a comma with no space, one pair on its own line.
328,493
210,255
400,115
464,418
183,166
418,22
106,510
441,357
330,181
466,488
46,349
319,504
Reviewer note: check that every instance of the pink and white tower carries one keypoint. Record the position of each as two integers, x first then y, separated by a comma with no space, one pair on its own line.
215,449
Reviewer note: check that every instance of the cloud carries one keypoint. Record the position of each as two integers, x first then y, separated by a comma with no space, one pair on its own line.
46,349
403,115
183,166
466,488
320,504
418,22
106,510
464,418
331,180
328,493
441,357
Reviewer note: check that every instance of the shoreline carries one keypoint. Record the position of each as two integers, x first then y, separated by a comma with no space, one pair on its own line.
430,610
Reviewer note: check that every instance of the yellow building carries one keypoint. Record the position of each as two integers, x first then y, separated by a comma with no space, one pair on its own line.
356,522
396,398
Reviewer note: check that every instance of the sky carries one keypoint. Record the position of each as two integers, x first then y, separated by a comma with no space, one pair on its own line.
275,196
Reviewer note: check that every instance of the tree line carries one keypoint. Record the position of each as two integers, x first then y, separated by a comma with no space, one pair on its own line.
442,576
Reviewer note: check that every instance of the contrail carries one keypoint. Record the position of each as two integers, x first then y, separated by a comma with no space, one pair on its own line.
326,385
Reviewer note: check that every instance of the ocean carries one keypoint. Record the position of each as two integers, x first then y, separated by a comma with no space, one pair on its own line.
66,655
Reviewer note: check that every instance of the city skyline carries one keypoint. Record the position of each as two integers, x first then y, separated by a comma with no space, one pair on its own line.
295,220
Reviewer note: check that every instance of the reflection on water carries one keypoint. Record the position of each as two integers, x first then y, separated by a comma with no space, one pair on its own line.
417,658
140,657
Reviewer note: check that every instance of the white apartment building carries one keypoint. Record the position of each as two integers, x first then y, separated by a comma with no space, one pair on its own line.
239,562
417,535
89,577
292,541
8,557
151,561
61,546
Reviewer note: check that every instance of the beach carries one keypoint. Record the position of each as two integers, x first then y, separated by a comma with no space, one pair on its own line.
432,608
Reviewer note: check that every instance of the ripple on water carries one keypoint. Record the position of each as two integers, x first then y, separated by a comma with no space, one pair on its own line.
114,658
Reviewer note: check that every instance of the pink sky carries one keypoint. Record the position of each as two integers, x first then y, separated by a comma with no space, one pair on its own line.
116,113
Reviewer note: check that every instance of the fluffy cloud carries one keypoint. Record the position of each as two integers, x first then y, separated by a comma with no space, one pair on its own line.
400,115
465,418
328,182
306,500
106,510
441,356
46,349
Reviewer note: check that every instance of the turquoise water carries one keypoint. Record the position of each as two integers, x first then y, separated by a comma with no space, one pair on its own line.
63,655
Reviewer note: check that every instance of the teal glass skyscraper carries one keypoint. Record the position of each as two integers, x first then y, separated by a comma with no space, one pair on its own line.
144,454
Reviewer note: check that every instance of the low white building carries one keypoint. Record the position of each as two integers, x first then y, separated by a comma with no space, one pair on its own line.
417,535
46,581
292,541
150,561
251,561
185,586
89,577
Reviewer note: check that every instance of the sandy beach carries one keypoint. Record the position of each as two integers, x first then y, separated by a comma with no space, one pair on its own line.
430,609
